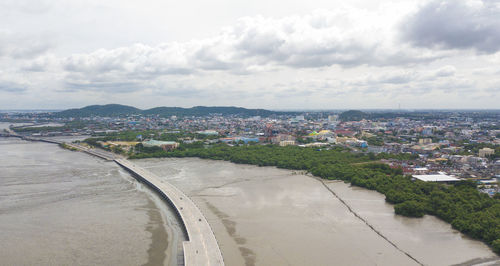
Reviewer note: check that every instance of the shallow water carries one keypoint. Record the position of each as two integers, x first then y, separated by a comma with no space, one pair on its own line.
429,239
270,216
59,207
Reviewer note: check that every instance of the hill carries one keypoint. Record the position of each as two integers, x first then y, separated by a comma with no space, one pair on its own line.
99,110
353,115
121,110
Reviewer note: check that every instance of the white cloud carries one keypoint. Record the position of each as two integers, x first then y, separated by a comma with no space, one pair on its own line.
338,53
455,24
345,37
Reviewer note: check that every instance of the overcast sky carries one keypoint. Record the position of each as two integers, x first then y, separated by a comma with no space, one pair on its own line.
281,54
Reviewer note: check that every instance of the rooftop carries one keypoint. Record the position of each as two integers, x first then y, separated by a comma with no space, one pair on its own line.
158,143
436,178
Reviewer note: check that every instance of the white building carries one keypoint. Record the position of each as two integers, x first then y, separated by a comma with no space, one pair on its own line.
440,177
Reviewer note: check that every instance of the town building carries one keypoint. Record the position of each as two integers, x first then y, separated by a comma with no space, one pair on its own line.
486,152
165,145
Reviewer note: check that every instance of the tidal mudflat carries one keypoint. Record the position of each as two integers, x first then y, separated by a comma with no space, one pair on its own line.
59,207
270,216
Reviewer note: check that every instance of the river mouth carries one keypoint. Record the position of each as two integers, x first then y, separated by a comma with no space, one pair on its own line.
270,216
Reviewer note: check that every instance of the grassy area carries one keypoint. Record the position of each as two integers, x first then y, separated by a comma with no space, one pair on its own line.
67,147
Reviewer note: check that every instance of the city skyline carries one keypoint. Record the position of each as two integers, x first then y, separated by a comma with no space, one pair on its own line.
303,55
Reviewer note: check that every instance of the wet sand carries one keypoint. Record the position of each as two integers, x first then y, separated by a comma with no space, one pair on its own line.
68,208
270,216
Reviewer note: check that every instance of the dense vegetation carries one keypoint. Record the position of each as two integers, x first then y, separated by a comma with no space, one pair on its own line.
374,141
353,115
121,110
66,146
469,211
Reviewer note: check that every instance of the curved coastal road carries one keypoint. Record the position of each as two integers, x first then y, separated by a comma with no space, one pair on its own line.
202,247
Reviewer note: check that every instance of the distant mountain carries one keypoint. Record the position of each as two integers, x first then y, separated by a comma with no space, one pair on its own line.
100,110
121,110
353,115
204,110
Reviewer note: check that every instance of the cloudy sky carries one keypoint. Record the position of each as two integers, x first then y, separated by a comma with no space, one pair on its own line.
280,54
